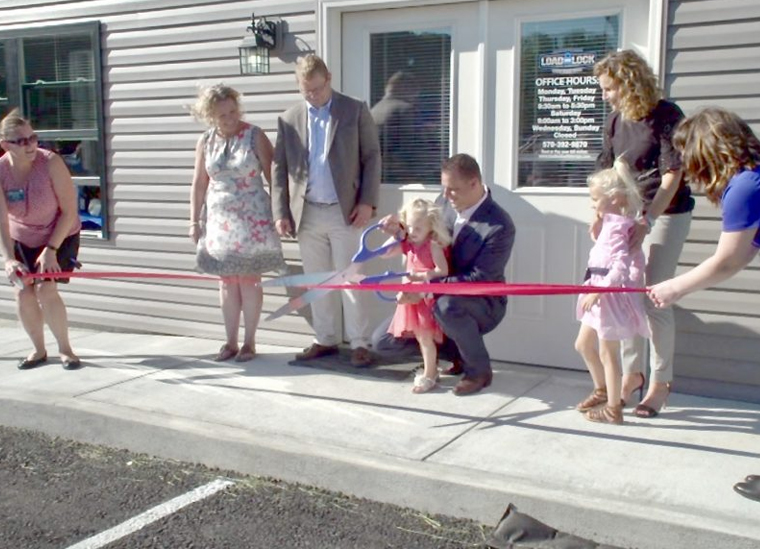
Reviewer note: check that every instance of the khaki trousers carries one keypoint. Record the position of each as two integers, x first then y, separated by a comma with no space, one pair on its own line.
662,248
328,244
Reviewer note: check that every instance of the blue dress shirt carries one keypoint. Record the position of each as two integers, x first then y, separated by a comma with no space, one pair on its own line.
320,188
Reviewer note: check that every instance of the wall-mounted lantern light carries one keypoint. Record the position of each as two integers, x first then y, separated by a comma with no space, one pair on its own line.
255,48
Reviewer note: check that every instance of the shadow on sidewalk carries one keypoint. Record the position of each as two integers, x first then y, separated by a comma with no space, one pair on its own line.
751,418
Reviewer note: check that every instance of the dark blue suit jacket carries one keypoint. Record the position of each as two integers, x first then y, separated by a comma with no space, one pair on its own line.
483,246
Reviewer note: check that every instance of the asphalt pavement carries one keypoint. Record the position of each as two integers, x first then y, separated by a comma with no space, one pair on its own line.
63,494
663,483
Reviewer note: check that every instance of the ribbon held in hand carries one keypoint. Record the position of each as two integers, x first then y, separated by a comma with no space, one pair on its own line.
481,288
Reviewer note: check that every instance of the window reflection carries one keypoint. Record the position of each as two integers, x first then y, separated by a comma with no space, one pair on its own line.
80,155
562,114
410,98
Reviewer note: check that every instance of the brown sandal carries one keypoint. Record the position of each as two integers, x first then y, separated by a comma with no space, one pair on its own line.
226,352
245,354
606,414
596,398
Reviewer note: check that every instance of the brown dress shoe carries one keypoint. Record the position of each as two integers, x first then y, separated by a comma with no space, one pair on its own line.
315,350
360,357
469,385
456,368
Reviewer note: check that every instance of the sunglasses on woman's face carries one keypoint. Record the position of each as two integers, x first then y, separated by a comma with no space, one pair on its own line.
24,141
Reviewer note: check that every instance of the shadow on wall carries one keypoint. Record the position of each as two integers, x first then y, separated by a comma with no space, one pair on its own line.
564,241
293,46
718,358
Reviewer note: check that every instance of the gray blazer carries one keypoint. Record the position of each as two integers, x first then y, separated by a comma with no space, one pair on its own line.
353,153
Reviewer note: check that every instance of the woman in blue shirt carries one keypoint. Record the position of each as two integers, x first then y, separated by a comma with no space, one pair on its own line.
722,154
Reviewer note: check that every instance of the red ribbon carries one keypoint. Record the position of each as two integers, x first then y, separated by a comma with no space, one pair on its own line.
481,288
453,288
115,274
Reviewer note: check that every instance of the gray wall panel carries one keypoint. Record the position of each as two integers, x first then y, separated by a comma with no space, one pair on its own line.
713,59
713,11
156,53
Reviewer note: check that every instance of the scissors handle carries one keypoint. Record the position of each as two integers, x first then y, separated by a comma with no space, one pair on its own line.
387,275
366,253
374,279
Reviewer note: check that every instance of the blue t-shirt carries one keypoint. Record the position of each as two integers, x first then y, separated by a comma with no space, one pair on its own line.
741,203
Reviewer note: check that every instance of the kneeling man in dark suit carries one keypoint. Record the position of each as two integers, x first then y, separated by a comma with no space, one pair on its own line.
483,235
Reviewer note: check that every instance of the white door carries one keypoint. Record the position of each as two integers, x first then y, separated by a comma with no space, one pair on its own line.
416,68
548,115
524,103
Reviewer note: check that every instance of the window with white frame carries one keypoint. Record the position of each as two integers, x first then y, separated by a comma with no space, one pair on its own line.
410,91
562,114
53,75
4,101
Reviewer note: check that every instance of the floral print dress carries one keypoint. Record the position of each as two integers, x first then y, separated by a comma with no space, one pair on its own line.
238,235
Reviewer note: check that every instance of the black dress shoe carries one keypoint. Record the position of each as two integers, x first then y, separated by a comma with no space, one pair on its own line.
751,478
29,363
470,384
750,490
456,368
71,363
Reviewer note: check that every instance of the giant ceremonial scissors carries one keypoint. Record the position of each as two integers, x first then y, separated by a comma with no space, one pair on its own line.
350,275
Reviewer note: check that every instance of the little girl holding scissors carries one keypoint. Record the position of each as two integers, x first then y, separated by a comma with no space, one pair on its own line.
425,250
606,319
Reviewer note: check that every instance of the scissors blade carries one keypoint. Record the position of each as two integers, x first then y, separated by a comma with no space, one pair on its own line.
309,296
304,279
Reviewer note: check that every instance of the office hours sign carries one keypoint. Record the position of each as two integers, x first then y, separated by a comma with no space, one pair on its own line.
563,115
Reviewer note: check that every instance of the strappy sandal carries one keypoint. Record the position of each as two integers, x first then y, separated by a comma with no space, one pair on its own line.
596,398
245,354
647,412
423,384
606,414
639,388
225,353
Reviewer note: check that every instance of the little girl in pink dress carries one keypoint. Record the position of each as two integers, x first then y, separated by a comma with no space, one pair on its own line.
606,319
425,250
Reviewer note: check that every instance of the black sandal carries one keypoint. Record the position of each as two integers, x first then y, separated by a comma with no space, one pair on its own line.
29,363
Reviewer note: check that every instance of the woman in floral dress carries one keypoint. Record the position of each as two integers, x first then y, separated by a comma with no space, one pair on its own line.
231,213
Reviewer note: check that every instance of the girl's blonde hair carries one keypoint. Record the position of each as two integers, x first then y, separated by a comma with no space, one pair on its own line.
715,145
209,97
433,215
618,181
637,84
11,124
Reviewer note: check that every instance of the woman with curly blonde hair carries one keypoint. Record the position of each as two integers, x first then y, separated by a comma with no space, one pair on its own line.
231,213
639,130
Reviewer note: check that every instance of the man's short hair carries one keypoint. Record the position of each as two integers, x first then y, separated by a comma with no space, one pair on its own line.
309,66
463,165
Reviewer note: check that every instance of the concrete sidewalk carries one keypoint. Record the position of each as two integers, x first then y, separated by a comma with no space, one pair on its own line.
663,483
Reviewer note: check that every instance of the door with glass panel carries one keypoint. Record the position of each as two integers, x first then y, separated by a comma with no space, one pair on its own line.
415,68
511,83
549,119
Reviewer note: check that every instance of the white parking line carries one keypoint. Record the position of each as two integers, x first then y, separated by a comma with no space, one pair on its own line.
152,515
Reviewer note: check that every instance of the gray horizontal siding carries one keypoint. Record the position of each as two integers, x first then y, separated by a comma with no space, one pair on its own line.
713,58
131,14
155,54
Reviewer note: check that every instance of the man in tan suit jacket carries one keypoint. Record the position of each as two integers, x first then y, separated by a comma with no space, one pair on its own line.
326,180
